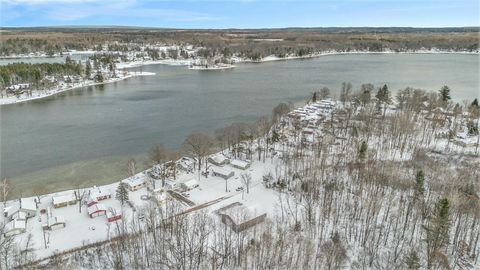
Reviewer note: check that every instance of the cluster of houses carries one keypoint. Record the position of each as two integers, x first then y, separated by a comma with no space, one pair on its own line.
18,213
16,88
309,117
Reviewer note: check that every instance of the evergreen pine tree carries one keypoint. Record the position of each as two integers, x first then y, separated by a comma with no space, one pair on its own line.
419,184
445,93
412,261
362,151
437,230
122,193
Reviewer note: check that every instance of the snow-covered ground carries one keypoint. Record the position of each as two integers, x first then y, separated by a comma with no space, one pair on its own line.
38,94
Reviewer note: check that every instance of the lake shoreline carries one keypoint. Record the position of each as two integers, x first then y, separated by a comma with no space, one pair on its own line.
14,100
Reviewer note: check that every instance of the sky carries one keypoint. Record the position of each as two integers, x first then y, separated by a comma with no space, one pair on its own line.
241,13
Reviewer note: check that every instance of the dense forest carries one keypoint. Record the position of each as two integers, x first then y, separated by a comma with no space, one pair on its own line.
35,73
252,44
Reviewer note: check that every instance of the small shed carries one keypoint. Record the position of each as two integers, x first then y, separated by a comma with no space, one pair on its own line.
240,164
64,200
135,183
97,210
113,215
14,227
223,173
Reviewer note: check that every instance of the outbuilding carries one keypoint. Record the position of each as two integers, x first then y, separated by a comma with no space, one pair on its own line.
113,215
97,210
223,173
57,222
64,200
15,227
218,159
135,183
240,164
99,194
29,207
189,184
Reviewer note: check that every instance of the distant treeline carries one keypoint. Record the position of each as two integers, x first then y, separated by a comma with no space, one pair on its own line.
248,43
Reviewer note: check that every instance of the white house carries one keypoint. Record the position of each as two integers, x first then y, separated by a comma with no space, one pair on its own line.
56,222
28,206
64,200
240,164
15,227
20,216
170,185
135,183
223,173
189,184
218,159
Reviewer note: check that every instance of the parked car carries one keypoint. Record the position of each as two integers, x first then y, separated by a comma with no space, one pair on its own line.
239,189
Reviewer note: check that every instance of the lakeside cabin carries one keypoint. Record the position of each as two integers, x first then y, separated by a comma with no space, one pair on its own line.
99,195
29,207
64,200
135,183
15,227
97,210
223,173
240,164
55,223
218,160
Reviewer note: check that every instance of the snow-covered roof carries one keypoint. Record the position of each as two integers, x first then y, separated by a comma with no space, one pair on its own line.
28,204
96,207
96,192
15,224
240,163
112,212
191,182
63,198
135,181
19,215
56,220
222,171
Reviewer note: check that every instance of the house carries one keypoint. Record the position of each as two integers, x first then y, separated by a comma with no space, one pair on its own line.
189,184
218,159
15,227
8,211
239,217
99,195
97,210
223,173
57,222
240,164
64,200
186,164
29,207
135,183
113,215
170,185
20,216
